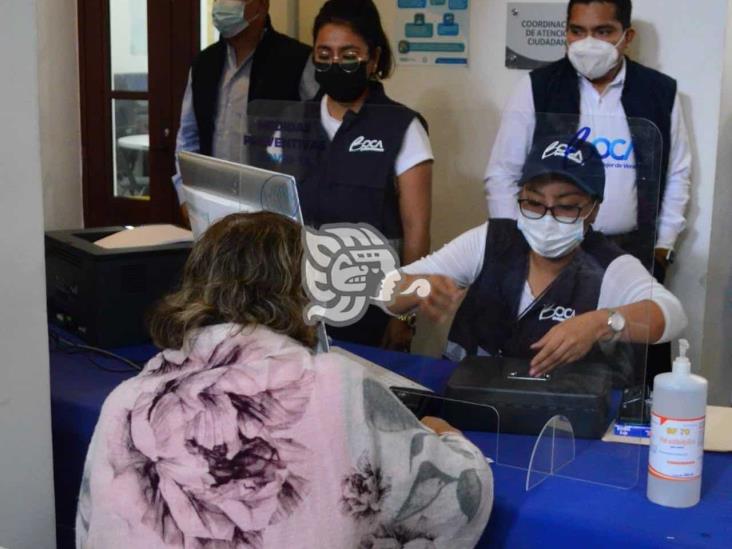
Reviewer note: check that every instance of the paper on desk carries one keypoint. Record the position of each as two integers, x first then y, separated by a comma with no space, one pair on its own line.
717,431
145,235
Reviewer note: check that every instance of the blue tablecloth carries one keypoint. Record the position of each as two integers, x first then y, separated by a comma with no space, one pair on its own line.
560,512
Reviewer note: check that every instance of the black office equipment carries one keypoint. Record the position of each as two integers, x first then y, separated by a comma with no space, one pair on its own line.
580,392
103,295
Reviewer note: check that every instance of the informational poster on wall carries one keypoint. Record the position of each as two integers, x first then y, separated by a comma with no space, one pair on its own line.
535,34
432,32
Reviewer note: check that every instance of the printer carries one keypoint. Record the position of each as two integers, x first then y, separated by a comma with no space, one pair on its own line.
103,295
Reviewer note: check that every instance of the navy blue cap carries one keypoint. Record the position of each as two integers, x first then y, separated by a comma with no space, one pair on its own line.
569,158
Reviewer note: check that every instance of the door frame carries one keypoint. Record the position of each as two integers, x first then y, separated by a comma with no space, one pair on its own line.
173,38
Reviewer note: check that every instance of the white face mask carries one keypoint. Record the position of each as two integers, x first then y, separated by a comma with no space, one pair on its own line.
549,238
228,17
594,58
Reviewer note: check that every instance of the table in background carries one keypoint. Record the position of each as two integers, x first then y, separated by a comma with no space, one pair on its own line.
134,148
558,513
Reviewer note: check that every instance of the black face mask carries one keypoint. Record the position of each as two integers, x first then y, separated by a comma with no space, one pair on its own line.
342,86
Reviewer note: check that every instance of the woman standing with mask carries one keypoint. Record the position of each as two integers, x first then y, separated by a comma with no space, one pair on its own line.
376,166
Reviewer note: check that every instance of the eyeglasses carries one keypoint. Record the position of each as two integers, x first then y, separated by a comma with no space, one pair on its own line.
349,62
531,209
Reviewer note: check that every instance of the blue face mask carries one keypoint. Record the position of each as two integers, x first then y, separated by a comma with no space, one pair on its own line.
228,17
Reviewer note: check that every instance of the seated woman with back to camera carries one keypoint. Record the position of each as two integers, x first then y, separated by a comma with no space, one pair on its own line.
237,435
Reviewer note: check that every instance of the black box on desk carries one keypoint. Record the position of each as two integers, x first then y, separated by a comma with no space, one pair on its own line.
102,295
581,392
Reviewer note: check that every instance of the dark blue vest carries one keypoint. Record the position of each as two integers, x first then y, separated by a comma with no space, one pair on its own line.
352,178
277,67
488,322
647,94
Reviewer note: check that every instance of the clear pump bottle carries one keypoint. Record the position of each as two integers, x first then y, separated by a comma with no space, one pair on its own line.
677,435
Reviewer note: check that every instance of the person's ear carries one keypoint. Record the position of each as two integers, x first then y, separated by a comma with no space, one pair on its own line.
593,216
628,40
373,64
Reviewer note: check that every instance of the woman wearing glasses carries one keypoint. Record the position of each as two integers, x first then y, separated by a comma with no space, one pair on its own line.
375,164
546,287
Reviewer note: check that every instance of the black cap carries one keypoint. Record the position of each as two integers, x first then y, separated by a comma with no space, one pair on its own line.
569,158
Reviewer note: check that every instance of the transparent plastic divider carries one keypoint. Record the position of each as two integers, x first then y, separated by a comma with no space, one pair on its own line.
554,450
289,138
479,423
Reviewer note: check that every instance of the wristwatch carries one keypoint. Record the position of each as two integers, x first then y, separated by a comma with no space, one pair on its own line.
616,323
410,319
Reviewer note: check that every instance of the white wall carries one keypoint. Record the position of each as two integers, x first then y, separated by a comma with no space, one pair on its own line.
463,106
284,16
717,351
60,120
26,484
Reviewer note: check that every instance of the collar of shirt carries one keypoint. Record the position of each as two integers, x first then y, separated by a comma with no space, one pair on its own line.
231,66
618,81
330,124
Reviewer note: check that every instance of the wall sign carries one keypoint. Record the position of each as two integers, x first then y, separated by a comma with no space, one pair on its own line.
535,34
432,32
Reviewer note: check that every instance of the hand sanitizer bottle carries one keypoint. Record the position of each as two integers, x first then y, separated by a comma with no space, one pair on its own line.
677,435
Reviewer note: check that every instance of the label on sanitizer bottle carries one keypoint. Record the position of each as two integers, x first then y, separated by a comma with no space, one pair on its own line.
677,448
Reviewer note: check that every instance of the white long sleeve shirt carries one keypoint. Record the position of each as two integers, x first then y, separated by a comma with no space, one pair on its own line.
605,116
625,281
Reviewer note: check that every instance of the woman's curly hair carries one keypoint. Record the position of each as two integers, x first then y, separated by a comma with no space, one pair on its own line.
244,270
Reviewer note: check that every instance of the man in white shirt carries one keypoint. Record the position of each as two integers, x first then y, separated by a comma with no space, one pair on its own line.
609,93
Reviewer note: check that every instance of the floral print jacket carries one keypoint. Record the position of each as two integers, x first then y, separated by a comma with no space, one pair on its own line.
244,438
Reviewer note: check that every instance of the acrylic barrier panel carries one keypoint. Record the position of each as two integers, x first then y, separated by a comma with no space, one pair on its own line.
589,390
460,415
341,176
347,164
618,159
553,451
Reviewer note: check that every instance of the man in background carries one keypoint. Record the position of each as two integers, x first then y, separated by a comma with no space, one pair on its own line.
251,61
610,94
597,82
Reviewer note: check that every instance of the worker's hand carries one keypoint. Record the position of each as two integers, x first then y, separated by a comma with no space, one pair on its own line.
568,342
439,426
661,256
398,336
443,300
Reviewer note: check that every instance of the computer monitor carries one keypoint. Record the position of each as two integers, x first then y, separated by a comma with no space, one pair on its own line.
215,188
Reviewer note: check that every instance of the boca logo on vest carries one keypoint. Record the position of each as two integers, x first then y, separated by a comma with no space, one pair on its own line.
556,313
361,144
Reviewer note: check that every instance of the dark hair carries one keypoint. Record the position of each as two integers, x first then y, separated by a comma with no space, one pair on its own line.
244,270
623,9
362,17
